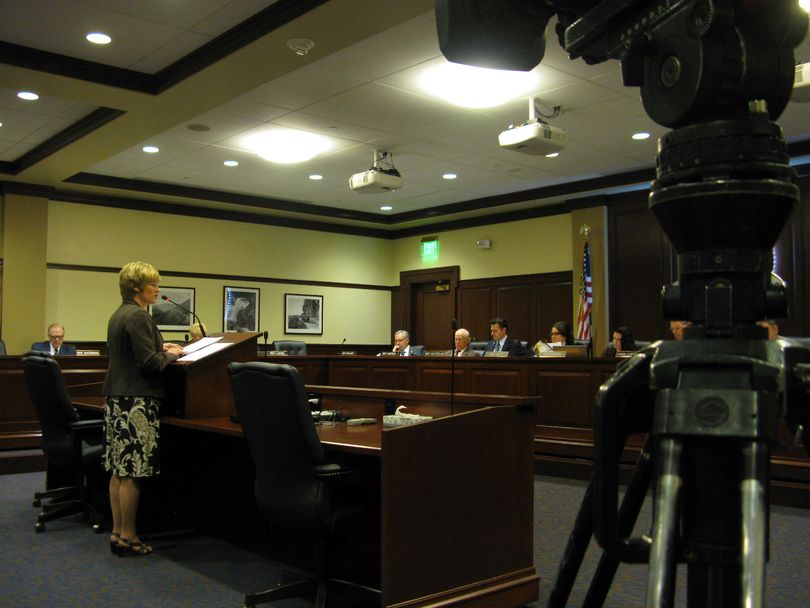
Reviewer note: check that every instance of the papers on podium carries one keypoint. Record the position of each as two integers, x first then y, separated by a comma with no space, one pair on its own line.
202,348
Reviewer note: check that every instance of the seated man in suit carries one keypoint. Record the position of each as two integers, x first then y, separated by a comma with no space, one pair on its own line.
55,344
501,342
402,345
677,327
772,327
462,340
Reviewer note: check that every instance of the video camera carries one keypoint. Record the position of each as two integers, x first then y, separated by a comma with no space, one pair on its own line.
717,72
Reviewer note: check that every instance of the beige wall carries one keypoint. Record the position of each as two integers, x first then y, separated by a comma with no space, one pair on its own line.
25,233
99,236
523,247
93,236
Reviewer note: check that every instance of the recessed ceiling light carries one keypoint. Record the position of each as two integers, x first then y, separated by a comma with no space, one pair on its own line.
287,146
28,95
1,124
315,177
449,176
151,149
472,87
641,135
386,208
552,155
231,163
98,38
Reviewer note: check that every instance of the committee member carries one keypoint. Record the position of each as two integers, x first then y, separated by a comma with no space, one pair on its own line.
462,345
560,335
772,327
402,345
622,341
133,388
677,327
501,342
55,345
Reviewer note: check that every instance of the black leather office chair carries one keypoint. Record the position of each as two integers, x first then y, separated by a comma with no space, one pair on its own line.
72,447
291,347
417,350
482,346
295,487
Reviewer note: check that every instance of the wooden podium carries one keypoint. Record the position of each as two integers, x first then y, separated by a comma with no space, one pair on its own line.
202,388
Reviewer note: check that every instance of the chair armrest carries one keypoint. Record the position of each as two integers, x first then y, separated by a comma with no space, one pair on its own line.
87,427
333,471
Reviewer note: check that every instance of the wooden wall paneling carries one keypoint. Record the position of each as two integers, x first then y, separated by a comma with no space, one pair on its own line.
383,376
516,304
640,263
568,396
497,380
474,306
397,311
554,303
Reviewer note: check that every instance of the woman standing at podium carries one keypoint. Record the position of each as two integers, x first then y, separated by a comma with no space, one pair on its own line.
133,388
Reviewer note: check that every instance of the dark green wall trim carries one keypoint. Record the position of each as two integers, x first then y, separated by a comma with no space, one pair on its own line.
247,200
225,277
96,119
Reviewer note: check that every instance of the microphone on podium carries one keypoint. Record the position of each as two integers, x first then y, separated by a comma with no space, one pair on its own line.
189,311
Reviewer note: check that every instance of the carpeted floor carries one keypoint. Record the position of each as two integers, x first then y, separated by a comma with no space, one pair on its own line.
70,566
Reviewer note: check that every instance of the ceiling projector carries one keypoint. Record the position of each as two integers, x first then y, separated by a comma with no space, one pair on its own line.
535,136
381,177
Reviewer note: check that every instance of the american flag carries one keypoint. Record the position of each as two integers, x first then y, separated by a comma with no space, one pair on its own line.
585,297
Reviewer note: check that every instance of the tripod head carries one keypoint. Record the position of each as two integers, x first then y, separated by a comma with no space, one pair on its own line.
717,71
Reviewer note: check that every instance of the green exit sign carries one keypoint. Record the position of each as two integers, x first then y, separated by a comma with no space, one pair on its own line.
430,247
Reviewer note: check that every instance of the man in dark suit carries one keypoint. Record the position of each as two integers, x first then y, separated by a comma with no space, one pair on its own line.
501,342
55,344
402,345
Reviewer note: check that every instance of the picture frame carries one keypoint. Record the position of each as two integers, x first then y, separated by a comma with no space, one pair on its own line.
303,314
240,309
171,317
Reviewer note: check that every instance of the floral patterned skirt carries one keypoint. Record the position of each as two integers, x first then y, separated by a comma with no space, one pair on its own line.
131,432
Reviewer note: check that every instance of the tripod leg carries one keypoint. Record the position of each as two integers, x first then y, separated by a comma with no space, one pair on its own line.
628,514
754,524
661,579
574,552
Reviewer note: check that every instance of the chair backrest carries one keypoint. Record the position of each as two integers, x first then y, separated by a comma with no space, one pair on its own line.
482,346
291,347
2,348
417,350
46,387
272,406
588,344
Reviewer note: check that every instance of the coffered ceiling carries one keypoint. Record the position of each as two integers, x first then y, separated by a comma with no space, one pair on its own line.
194,77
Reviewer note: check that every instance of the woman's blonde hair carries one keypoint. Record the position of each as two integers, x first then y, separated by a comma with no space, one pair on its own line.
136,275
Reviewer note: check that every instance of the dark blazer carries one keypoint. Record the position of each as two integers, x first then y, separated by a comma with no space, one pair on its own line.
136,357
512,346
65,349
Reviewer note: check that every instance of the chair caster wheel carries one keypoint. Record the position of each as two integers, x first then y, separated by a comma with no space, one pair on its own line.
37,503
39,527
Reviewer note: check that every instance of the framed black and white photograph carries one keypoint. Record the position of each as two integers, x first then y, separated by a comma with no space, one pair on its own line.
240,309
171,317
303,314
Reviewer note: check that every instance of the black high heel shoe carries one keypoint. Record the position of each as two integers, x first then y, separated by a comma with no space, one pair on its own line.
129,549
115,548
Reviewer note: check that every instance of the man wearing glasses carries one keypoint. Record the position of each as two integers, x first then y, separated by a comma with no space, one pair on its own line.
55,344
